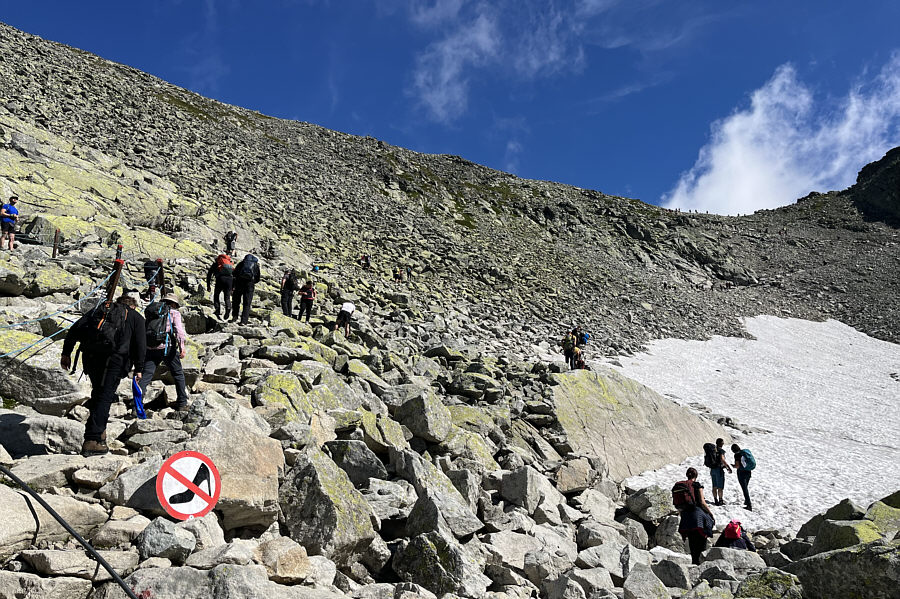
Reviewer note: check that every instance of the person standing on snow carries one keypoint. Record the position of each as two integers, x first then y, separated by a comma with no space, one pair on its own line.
745,463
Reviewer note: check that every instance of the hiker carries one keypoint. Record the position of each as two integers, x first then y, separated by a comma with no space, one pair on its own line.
231,242
714,459
343,317
9,216
289,285
578,359
307,297
569,343
151,275
365,261
745,463
409,273
697,521
223,270
398,275
166,342
111,338
246,276
735,537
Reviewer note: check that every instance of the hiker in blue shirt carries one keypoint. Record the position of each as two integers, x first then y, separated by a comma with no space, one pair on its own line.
9,216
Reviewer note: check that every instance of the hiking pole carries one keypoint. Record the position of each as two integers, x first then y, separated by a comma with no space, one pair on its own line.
71,531
56,243
117,272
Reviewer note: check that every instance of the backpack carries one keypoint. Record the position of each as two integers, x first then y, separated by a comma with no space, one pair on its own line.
568,343
710,456
158,318
683,495
291,281
104,327
732,530
244,272
224,265
749,460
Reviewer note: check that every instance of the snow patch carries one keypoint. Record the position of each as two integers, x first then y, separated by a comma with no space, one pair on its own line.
826,392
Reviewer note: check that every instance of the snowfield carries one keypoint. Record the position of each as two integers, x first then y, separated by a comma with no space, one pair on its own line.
829,394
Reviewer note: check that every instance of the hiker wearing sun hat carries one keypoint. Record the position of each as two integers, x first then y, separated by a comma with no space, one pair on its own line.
166,342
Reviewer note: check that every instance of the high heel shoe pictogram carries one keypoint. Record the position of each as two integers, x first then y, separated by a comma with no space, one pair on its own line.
188,495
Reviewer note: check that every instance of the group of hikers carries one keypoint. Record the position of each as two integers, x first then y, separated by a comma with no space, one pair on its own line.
697,520
573,344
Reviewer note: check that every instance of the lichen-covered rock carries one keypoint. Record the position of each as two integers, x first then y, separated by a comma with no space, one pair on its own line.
50,279
425,416
704,591
357,460
885,517
772,584
631,427
870,571
441,565
12,278
323,511
650,504
837,534
471,447
847,509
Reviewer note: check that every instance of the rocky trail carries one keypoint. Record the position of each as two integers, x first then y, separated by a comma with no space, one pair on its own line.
432,452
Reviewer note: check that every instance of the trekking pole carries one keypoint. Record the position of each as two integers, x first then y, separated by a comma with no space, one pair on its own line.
117,272
71,531
56,243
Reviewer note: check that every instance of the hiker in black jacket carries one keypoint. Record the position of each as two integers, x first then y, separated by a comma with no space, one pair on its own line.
289,284
223,271
246,276
106,366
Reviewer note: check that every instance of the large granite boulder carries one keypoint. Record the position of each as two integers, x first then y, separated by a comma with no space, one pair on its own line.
629,426
837,534
869,571
323,511
441,565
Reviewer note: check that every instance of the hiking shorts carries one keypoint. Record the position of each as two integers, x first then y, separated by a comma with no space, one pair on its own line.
6,227
343,317
718,477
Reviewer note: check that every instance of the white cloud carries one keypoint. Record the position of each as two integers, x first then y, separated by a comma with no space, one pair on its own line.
431,13
511,158
440,81
788,143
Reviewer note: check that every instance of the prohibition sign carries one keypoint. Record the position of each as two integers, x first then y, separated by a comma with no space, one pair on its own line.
188,485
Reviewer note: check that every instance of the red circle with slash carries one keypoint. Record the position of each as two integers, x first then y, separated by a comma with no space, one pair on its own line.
188,485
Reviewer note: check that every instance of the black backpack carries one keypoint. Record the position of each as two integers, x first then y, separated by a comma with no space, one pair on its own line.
158,318
291,282
244,271
104,328
710,456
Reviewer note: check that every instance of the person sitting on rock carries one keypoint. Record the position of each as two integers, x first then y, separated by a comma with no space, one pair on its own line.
697,521
166,326
111,338
344,316
735,537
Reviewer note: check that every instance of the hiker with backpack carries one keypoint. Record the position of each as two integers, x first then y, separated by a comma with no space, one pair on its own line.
569,342
744,462
344,316
714,459
231,242
223,270
735,537
697,521
166,342
289,284
307,297
246,276
112,339
9,216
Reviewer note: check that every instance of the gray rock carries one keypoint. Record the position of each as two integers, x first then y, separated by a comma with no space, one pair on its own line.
238,552
390,499
837,534
136,487
673,574
426,417
162,538
635,533
441,565
117,533
704,591
206,530
33,434
509,548
426,478
563,587
597,505
357,460
651,504
19,585
845,510
592,580
743,561
717,570
838,573
18,527
667,534
528,488
555,555
642,583
592,534
79,564
44,471
323,511
285,560
38,382
575,476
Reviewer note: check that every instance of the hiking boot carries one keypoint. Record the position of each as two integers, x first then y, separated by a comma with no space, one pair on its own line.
94,448
748,508
182,408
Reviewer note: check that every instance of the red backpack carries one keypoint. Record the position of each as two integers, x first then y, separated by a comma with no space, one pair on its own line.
224,264
683,495
732,530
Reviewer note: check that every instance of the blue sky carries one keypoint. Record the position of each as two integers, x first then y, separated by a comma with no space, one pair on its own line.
719,105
